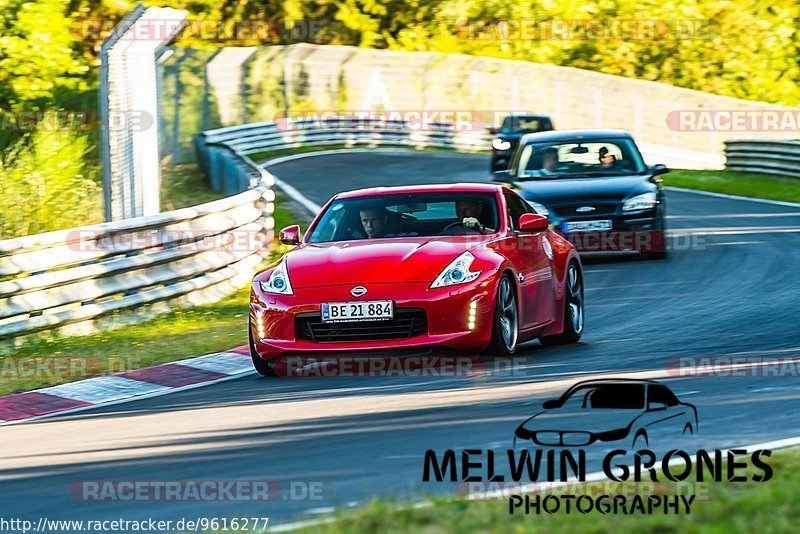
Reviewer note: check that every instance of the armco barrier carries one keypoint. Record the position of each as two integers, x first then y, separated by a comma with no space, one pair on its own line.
83,278
219,151
767,156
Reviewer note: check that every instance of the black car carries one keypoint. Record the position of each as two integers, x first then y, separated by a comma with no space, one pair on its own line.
641,411
595,188
511,130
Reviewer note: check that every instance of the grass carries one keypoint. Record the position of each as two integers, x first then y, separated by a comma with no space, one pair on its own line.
746,184
725,507
181,333
184,185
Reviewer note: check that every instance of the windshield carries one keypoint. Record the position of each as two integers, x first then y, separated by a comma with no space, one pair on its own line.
518,123
572,159
407,215
607,396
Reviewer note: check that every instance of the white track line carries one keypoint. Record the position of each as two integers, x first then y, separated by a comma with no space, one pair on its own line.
735,197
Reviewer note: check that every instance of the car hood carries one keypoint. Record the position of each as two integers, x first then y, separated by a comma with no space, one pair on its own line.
555,192
375,260
585,420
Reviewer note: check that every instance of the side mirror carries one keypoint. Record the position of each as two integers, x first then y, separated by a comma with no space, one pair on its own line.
533,222
493,129
656,406
501,176
549,405
290,235
659,169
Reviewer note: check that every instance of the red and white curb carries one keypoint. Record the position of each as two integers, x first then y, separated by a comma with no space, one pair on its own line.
126,386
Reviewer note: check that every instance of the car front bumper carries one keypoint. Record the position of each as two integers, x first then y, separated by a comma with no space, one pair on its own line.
629,233
274,318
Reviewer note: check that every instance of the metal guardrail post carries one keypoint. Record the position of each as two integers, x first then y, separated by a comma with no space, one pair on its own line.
129,110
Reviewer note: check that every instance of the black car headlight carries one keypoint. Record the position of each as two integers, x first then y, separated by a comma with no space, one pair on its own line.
613,435
501,144
642,202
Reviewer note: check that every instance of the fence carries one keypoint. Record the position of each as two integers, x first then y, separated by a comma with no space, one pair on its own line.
128,102
759,155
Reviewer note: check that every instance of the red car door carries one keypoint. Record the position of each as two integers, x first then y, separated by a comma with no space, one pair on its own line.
533,255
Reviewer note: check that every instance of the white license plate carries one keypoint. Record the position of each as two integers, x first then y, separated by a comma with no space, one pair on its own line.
370,310
586,226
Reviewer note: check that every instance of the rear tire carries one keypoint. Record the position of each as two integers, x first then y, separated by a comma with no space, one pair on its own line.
505,325
263,368
573,310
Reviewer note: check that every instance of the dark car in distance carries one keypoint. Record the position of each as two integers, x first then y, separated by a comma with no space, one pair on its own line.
513,127
594,187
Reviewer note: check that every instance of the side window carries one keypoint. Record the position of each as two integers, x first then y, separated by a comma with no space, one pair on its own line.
662,394
516,208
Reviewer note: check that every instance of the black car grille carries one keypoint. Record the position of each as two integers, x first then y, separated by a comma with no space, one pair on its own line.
407,322
572,210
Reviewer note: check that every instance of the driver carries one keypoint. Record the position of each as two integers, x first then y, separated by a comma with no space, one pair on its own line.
374,221
469,210
549,160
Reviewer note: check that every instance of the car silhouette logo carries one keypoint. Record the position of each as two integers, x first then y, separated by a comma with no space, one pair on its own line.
358,291
585,209
610,410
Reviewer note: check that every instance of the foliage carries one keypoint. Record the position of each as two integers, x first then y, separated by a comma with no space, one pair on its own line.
46,184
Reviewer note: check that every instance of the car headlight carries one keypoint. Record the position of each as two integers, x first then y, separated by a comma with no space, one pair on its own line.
501,144
644,201
541,209
457,272
278,281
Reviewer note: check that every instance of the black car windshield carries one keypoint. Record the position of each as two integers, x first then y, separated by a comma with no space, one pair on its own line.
578,159
607,396
407,215
522,123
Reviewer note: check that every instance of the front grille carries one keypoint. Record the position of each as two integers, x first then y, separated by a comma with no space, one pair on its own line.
407,322
572,210
566,439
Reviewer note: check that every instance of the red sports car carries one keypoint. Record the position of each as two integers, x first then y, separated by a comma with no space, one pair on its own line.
466,267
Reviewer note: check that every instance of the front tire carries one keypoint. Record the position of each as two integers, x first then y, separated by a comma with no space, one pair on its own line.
573,310
505,327
263,368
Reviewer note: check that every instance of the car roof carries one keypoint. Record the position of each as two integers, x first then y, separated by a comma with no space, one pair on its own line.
528,114
574,135
616,381
428,188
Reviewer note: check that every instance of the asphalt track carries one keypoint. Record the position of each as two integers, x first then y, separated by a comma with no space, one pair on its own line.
731,289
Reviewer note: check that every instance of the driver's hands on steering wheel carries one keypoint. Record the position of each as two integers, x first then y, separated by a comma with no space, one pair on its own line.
472,223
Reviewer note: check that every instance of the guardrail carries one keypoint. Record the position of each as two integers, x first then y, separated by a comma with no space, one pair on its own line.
82,278
761,155
220,151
